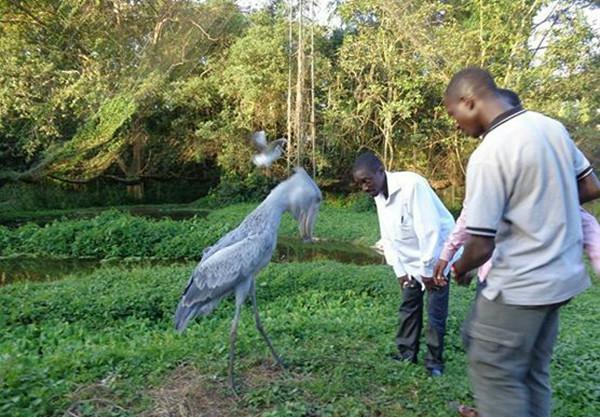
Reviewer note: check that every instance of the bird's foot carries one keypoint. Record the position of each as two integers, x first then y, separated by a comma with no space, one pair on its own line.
233,388
281,363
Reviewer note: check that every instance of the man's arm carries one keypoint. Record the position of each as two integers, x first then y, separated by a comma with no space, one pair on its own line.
587,182
588,187
427,225
477,250
391,258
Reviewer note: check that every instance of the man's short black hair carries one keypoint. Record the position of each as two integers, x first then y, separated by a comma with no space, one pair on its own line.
369,161
471,81
512,97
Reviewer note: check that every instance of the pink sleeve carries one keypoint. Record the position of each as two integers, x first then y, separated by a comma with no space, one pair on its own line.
484,270
591,239
456,239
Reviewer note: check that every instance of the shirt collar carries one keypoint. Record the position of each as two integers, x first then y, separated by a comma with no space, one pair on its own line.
503,118
393,184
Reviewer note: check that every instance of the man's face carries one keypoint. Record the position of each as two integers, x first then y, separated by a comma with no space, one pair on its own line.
370,182
464,112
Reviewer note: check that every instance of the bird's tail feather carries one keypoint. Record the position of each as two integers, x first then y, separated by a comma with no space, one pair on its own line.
185,313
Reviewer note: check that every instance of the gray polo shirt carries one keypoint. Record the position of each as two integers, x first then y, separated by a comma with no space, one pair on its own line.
522,190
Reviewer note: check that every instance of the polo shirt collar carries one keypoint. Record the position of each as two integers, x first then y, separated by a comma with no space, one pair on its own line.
503,118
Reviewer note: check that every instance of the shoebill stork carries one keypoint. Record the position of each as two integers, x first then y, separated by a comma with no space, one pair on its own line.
230,266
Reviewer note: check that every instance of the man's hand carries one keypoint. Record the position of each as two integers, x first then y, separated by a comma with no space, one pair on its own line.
462,278
428,282
439,279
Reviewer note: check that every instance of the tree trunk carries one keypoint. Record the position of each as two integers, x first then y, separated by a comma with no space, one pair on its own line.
289,147
299,90
136,191
135,169
313,131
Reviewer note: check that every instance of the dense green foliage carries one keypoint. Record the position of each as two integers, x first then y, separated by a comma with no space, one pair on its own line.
113,234
137,91
96,344
119,234
18,197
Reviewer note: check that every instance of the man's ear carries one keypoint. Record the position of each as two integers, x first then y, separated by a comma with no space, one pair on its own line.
468,102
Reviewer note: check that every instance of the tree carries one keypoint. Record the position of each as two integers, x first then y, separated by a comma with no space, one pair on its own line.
114,92
397,57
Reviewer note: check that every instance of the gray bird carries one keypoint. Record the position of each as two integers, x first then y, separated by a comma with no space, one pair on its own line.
268,153
231,265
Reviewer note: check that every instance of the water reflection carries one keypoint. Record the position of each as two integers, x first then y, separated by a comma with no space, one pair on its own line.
293,250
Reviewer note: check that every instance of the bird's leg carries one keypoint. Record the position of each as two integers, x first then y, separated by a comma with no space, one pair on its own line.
232,337
260,328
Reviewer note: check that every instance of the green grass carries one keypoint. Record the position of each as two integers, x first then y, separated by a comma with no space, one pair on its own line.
98,343
108,335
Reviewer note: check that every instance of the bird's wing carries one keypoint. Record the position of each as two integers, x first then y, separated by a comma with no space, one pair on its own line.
260,140
277,143
270,154
261,160
220,273
266,159
229,239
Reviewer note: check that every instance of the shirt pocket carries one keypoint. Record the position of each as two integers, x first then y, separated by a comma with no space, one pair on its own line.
405,227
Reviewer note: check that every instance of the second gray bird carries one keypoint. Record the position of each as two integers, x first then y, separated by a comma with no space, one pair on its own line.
268,152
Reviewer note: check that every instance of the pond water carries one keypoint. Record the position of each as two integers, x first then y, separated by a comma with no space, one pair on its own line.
143,211
288,250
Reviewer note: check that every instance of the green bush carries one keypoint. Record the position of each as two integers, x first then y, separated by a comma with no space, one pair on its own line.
118,234
113,234
234,189
53,195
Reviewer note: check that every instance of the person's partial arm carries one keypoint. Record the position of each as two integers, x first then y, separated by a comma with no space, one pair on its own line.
453,243
456,239
591,239
588,187
486,198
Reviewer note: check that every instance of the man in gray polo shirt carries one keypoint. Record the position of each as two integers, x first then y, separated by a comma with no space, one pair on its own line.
524,185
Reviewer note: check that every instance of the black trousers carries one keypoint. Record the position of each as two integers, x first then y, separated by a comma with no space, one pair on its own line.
411,323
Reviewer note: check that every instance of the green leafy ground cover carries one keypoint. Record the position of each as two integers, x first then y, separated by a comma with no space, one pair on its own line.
119,234
102,344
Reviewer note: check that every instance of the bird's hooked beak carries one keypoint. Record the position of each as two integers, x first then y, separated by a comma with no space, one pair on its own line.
306,222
